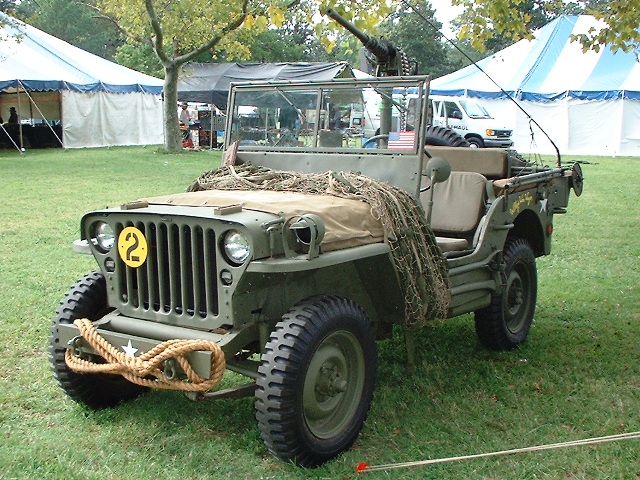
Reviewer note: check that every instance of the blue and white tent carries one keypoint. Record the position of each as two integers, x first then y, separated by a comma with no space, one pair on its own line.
96,102
588,102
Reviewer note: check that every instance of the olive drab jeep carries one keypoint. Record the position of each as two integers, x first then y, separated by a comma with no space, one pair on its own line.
287,263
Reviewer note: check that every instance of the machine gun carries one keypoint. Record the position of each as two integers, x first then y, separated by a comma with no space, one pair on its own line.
390,61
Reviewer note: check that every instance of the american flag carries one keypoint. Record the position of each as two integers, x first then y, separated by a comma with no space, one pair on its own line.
402,140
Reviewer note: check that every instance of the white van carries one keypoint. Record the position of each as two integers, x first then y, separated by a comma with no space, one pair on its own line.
466,117
471,120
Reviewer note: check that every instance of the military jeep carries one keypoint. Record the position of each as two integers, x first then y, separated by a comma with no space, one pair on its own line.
287,263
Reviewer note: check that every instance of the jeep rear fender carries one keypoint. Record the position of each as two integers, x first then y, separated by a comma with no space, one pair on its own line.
528,226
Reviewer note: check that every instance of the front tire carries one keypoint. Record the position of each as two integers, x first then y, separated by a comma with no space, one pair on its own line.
87,298
475,142
316,380
505,323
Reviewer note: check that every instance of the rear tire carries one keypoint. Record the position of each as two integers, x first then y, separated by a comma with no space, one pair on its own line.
87,299
505,323
316,381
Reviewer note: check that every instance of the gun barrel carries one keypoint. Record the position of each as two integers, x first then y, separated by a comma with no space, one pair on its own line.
360,35
375,46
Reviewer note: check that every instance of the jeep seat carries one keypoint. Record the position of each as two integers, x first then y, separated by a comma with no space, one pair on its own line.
490,162
458,206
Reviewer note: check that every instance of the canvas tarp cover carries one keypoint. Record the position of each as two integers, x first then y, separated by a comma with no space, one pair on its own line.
348,222
209,82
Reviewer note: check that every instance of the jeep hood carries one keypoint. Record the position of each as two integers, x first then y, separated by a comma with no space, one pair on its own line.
348,222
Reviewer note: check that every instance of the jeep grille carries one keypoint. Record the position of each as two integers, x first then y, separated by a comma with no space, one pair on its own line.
179,276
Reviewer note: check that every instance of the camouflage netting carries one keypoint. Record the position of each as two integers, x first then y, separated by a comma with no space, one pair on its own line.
421,266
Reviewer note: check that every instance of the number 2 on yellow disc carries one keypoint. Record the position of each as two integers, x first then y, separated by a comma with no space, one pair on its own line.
132,247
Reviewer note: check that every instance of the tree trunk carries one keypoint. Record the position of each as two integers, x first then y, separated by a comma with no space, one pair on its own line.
172,137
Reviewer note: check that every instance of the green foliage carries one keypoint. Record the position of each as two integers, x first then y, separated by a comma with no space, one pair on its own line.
576,377
294,40
8,6
409,31
497,24
418,34
180,31
140,58
494,24
621,18
73,21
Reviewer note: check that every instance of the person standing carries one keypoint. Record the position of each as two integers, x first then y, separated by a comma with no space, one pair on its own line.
184,118
13,116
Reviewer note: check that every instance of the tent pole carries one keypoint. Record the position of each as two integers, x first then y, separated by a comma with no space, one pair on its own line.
211,127
20,121
33,102
9,137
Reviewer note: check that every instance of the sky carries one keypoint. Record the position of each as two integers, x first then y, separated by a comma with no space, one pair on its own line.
445,12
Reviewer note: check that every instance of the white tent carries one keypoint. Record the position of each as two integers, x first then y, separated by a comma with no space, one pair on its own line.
587,102
86,100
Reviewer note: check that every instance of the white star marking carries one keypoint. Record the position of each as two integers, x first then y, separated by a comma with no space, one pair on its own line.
129,350
543,205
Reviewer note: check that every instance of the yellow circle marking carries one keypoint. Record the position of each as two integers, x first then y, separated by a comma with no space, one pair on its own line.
132,247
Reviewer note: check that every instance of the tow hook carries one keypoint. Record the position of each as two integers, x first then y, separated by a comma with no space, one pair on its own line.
169,369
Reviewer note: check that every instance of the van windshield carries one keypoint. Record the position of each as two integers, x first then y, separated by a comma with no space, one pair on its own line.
474,110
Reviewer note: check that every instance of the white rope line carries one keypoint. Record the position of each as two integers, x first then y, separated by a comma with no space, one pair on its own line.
364,468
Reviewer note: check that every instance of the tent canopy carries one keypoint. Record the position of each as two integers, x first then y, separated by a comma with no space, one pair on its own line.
548,68
64,95
38,61
209,82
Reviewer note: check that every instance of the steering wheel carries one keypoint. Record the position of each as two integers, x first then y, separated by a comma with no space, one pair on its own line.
375,138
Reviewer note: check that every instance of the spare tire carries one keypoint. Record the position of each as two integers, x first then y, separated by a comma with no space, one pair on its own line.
444,137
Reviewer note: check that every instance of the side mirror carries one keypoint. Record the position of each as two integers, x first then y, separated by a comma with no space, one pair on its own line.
438,170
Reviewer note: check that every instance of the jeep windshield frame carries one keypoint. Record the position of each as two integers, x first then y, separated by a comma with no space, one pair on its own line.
286,126
316,116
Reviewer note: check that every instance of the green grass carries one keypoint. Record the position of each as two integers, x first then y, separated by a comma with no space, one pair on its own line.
577,376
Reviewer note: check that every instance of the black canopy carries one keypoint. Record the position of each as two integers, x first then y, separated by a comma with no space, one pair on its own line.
209,82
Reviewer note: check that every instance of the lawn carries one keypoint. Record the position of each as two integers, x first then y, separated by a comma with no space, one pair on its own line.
576,377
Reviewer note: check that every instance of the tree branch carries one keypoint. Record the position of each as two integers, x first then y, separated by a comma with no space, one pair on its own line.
158,40
230,27
103,16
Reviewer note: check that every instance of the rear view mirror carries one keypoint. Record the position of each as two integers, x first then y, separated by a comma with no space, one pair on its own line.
438,170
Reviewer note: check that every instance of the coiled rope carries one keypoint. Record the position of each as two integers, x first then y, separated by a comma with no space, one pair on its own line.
138,370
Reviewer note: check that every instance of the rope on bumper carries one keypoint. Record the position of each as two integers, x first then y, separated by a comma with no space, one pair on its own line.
140,370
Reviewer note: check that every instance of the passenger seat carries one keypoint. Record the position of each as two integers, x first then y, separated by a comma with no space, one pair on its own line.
458,206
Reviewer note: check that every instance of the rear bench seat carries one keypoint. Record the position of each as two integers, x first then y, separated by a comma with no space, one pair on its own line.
490,162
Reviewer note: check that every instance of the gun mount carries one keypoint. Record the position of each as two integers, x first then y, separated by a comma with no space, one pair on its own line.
390,61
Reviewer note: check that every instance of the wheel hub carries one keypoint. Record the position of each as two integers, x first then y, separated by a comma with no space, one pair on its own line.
333,384
330,381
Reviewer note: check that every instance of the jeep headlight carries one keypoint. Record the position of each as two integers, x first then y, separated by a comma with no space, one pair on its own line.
103,236
236,247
